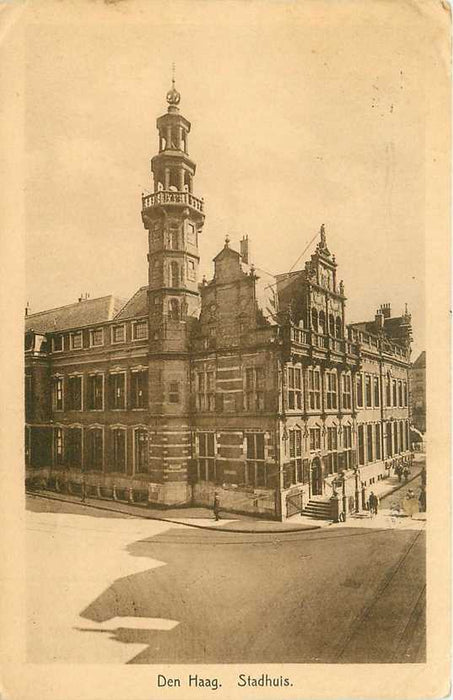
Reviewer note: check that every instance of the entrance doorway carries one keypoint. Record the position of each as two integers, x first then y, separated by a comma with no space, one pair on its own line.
316,477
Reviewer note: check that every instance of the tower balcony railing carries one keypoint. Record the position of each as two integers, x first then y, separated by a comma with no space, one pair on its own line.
156,199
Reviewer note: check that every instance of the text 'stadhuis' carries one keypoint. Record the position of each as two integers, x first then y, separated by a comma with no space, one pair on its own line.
247,385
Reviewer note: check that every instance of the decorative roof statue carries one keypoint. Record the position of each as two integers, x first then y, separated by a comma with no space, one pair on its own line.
322,245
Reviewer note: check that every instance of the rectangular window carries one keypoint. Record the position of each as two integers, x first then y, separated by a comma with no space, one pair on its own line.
332,447
388,392
377,441
347,446
400,393
139,388
191,234
28,395
331,392
369,442
346,391
141,451
173,392
206,457
368,400
95,449
394,393
140,330
58,393
205,391
190,270
118,450
315,439
57,343
76,340
377,392
359,387
405,393
96,336
117,394
389,439
254,389
314,389
295,454
294,378
95,392
361,444
255,472
73,447
58,446
118,334
74,402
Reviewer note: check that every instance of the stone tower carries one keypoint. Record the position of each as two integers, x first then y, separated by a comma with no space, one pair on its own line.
174,218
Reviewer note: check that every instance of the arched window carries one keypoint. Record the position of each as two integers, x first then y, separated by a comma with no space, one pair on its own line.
322,322
174,309
174,269
174,239
331,325
338,329
314,320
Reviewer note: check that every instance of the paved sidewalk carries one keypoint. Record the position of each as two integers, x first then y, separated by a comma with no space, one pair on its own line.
388,486
192,517
200,517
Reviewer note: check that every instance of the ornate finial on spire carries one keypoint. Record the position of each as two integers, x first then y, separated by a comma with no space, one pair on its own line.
405,309
173,96
227,241
322,233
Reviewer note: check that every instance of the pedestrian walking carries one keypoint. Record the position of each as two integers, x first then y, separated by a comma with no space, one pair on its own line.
422,500
216,506
406,474
373,504
398,472
423,475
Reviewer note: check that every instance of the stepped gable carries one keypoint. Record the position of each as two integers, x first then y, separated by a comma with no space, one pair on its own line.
136,307
87,312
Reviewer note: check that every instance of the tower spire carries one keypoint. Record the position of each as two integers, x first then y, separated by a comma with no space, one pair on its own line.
173,96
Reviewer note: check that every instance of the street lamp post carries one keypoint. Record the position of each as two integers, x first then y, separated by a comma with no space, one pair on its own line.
356,493
344,501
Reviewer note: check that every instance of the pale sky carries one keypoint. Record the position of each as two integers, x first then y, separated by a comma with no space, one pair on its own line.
301,115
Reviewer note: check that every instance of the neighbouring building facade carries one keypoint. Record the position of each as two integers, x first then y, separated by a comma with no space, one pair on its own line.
417,397
247,385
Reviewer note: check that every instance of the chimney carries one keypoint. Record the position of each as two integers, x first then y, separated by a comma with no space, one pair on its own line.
84,296
245,250
386,310
379,320
27,308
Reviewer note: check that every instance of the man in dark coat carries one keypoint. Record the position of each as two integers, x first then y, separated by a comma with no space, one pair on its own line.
216,506
373,503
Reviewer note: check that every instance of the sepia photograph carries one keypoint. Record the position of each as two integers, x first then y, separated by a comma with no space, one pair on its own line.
226,451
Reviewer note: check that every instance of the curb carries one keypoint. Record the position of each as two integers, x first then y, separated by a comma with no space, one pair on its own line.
147,516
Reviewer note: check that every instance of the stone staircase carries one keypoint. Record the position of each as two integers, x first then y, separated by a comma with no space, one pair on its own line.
318,507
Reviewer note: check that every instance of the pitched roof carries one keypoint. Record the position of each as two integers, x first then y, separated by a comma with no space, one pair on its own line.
136,307
420,362
83,313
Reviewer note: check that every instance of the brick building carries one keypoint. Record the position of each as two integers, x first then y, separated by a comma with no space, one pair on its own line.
246,384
